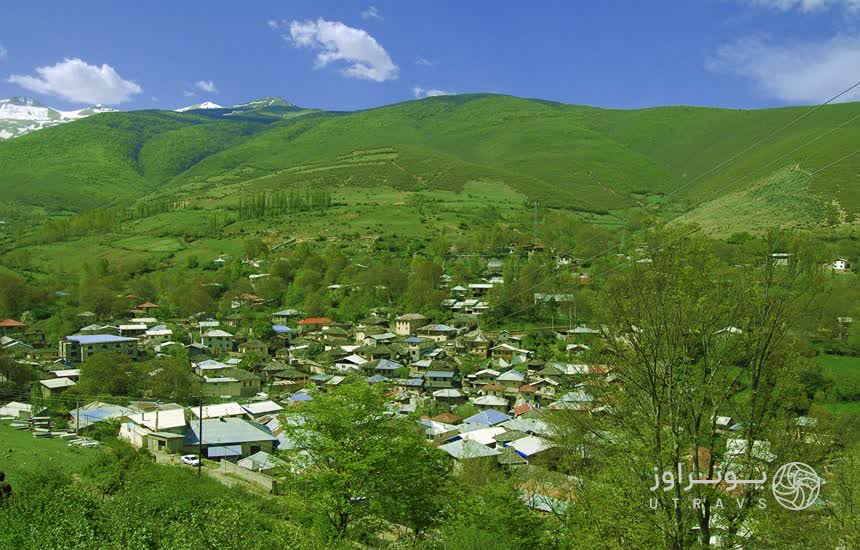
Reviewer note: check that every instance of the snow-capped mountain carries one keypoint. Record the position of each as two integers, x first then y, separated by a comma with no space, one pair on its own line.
262,103
204,105
22,115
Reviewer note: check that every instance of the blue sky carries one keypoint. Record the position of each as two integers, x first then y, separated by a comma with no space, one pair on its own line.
350,55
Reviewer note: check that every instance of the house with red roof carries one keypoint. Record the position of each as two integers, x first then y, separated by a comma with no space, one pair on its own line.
313,323
11,325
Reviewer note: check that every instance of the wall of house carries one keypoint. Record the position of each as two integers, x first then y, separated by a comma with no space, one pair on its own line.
215,389
265,481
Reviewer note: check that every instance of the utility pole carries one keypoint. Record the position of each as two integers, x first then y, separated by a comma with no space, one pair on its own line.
534,228
200,440
77,415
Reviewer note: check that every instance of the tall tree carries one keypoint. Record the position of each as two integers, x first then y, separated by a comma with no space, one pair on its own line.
355,459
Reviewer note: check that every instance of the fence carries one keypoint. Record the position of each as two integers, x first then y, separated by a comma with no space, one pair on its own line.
265,481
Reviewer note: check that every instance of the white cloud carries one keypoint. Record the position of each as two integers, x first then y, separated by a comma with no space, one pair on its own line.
206,86
3,52
188,93
806,6
77,81
797,72
367,59
273,24
371,13
424,62
421,93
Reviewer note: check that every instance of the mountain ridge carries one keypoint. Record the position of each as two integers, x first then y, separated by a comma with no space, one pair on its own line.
567,156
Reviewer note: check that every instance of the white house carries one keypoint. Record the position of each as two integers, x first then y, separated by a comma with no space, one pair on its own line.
841,265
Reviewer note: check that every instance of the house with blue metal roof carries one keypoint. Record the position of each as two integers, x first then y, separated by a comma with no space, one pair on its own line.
228,437
488,417
79,347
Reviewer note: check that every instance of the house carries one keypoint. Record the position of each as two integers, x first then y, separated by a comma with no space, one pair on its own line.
580,333
511,379
437,432
231,382
66,373
385,367
447,418
439,333
234,319
478,290
417,347
536,450
406,325
208,367
466,449
477,344
283,333
147,307
218,341
576,400
350,362
220,410
55,386
92,413
262,408
158,428
311,324
493,388
509,353
203,326
738,447
840,265
133,331
158,334
255,346
228,437
79,347
491,402
217,386
284,316
439,379
261,462
15,347
18,411
381,339
11,325
487,418
448,396
781,258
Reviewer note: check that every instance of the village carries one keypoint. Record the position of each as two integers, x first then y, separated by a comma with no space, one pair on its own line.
495,409
476,395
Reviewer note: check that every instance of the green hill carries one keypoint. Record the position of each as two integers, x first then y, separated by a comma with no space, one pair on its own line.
566,156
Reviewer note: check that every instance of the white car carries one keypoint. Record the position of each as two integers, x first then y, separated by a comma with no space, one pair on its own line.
191,460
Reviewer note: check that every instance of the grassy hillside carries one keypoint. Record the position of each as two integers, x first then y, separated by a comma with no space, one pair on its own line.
567,156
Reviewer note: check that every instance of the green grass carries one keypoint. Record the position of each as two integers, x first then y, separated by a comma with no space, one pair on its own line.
569,156
46,455
169,239
844,371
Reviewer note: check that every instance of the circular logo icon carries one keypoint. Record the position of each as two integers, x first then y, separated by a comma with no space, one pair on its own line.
796,485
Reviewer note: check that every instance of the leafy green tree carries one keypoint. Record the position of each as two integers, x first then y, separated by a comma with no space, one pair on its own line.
353,459
691,338
111,374
171,378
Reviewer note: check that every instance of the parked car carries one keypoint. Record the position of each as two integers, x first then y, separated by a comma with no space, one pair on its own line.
191,460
